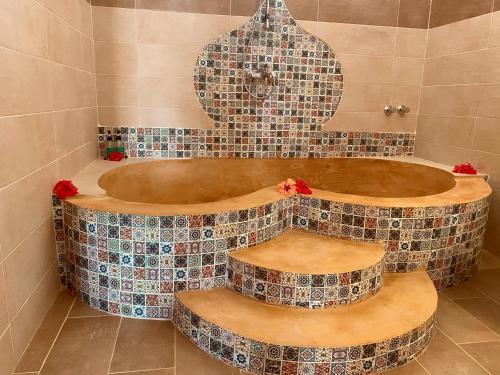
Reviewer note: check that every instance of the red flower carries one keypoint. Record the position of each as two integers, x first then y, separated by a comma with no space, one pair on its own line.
115,156
302,187
465,168
65,189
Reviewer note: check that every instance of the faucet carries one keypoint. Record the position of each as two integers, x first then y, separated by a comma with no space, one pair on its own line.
263,74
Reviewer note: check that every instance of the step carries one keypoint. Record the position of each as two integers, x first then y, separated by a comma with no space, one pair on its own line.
303,269
382,332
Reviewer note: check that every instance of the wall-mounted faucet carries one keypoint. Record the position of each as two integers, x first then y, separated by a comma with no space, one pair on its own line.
389,109
401,109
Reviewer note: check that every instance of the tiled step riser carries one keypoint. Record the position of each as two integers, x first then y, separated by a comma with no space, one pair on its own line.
302,290
261,358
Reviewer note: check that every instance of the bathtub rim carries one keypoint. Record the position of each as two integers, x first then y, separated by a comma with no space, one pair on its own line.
467,189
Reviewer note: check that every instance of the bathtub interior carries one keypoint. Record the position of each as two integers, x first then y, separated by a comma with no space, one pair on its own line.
193,181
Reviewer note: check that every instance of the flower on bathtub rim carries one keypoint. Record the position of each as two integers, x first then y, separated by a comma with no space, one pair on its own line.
287,187
115,156
464,168
302,187
64,189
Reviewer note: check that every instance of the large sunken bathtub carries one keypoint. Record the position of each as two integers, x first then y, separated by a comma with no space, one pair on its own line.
141,231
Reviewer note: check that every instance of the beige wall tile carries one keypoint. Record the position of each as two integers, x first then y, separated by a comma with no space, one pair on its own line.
27,143
4,314
407,95
88,60
6,355
440,153
75,161
23,24
473,35
354,39
116,58
490,66
36,254
117,90
25,205
459,100
366,69
118,116
64,42
465,67
70,11
177,92
74,128
494,40
489,103
167,60
487,135
359,97
28,319
407,71
24,84
179,28
72,88
446,130
410,42
371,121
114,24
489,163
189,117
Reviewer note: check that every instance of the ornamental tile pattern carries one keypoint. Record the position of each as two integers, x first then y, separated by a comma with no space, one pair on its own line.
131,265
303,290
264,358
175,143
309,76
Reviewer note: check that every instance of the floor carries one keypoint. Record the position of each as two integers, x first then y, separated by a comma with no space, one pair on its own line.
75,339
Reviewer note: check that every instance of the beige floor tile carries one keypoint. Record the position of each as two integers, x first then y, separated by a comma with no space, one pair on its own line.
412,368
488,282
80,309
486,353
445,358
144,345
489,261
484,309
41,343
190,360
83,347
465,290
459,325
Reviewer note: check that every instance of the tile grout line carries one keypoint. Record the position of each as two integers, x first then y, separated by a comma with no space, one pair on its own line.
135,371
478,342
421,365
473,317
468,355
114,345
58,333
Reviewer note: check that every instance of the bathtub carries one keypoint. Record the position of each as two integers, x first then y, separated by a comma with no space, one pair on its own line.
142,230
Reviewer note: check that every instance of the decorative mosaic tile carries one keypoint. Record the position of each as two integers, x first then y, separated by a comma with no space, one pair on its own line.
262,358
309,75
303,290
257,143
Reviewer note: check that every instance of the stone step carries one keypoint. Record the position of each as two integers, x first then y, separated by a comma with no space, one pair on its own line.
303,269
382,332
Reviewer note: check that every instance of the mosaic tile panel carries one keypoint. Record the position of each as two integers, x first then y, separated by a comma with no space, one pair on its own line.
309,75
446,241
131,265
262,358
257,143
303,290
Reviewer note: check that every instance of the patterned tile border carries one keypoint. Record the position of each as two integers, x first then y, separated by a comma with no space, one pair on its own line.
131,265
177,143
302,290
309,80
261,358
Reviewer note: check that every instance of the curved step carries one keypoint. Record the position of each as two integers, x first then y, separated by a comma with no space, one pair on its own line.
382,332
303,269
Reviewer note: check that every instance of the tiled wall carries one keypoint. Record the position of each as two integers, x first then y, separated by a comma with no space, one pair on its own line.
138,86
459,116
48,122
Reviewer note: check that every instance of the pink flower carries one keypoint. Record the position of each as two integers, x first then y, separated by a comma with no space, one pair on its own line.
287,187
